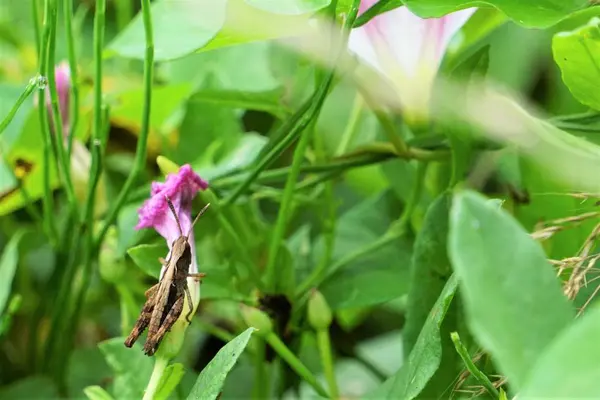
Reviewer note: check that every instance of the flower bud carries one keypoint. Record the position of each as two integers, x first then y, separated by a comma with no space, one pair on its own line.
319,313
256,318
171,344
166,166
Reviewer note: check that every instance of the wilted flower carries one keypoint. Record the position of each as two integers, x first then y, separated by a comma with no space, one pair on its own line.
408,50
180,188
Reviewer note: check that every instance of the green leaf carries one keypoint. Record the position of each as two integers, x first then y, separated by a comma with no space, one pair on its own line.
97,393
6,318
289,7
473,36
25,149
377,277
429,271
539,14
180,27
425,358
169,381
513,299
220,127
577,55
87,368
127,111
31,388
146,257
211,379
8,266
460,135
245,23
131,367
245,152
569,368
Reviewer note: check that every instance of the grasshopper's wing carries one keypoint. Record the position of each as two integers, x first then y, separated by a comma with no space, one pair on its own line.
161,296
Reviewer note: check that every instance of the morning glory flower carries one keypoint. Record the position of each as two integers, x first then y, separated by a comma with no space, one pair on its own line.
181,188
408,50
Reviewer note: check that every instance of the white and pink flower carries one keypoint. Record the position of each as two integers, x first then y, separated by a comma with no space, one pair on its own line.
408,50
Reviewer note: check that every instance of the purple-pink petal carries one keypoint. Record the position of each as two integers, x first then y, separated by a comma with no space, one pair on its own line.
62,76
181,188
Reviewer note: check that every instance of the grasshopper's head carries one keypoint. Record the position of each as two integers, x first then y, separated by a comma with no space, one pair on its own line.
179,246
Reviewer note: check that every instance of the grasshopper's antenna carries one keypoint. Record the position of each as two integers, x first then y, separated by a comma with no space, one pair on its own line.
174,214
197,217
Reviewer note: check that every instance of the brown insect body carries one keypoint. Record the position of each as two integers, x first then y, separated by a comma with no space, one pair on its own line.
165,300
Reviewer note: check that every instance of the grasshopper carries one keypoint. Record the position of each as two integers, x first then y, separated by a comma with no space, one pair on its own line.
164,301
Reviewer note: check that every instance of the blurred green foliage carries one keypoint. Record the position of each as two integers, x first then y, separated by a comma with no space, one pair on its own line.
482,223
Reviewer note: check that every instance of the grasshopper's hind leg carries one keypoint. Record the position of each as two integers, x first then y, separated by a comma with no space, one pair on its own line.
153,342
144,318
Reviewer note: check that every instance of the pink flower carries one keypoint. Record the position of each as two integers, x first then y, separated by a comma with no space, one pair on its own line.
62,75
181,188
407,49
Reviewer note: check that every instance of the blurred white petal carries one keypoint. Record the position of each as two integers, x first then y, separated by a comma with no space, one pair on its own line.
407,49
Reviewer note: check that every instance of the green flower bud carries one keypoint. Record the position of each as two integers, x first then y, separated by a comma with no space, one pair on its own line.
319,313
172,343
256,318
166,166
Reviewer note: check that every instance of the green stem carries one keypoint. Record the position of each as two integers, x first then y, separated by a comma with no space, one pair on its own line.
31,86
340,164
160,364
299,152
303,117
142,144
209,197
324,345
124,13
351,126
97,130
571,126
36,25
260,389
85,231
472,368
395,232
47,199
413,201
60,151
588,116
294,362
288,193
215,331
74,89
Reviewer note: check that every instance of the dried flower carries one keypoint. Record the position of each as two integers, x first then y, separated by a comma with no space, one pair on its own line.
408,50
